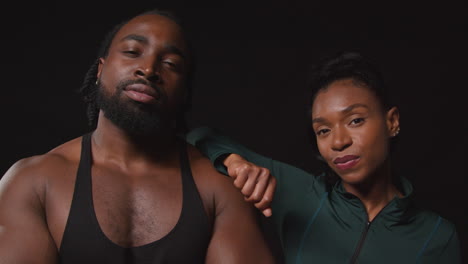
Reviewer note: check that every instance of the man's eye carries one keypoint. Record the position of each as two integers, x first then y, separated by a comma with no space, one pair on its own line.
170,63
174,66
356,121
132,53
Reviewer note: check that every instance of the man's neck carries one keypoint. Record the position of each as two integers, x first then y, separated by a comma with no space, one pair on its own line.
113,143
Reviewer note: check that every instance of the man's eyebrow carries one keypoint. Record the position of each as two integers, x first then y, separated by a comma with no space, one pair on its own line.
135,37
173,49
344,111
142,39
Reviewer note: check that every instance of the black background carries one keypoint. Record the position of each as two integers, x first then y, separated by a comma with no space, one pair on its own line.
253,59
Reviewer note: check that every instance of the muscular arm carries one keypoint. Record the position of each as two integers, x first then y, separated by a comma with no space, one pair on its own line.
216,146
237,237
24,235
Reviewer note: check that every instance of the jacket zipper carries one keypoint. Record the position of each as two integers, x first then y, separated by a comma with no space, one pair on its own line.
361,242
363,236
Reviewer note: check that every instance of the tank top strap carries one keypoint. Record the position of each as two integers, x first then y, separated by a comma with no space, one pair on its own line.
192,201
80,219
84,168
83,184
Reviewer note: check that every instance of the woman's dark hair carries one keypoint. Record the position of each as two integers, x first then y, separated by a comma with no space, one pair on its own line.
347,65
89,88
344,65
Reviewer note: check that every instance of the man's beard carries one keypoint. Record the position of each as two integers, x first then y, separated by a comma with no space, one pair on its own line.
135,118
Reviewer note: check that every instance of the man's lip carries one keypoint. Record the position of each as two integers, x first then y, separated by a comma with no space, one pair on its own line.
142,88
141,93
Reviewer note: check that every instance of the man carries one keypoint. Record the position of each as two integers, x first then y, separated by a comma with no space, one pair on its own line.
130,191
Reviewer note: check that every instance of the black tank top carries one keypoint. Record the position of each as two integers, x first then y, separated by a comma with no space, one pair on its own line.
84,242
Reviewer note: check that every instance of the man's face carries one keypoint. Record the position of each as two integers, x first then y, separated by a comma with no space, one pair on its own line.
142,80
352,130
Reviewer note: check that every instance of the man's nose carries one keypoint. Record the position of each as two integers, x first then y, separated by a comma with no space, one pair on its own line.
148,69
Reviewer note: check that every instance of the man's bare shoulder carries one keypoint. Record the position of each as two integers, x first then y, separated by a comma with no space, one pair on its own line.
212,185
44,166
203,170
243,243
30,192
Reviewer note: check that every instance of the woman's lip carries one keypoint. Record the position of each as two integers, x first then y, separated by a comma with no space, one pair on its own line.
350,163
345,159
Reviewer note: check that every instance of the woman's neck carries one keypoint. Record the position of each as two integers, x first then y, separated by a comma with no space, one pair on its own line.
376,192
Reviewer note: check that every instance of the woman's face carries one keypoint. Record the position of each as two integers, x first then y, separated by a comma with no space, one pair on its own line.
352,129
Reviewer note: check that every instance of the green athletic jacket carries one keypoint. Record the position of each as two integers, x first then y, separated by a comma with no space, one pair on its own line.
318,223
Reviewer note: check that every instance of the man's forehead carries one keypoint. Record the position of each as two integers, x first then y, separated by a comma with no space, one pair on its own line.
153,25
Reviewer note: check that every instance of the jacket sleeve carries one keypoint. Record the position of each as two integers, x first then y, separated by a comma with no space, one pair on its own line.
215,146
451,253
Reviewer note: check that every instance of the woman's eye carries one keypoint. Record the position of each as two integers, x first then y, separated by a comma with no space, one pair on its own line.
322,131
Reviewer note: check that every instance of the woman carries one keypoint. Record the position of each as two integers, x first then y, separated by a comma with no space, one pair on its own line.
357,211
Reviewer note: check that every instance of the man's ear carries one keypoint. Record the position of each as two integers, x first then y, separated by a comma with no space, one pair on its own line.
101,62
393,121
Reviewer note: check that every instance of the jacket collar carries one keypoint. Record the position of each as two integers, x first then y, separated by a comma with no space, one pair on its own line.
396,211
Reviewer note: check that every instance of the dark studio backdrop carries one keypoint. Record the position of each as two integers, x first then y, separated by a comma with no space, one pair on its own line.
253,59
